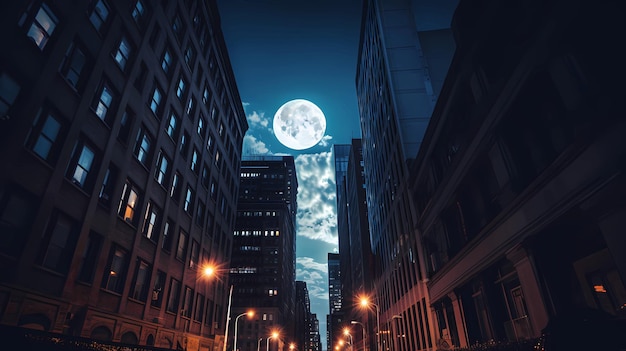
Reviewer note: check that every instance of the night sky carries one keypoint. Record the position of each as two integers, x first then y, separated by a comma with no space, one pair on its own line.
282,50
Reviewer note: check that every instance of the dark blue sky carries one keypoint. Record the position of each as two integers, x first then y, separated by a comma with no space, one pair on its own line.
282,50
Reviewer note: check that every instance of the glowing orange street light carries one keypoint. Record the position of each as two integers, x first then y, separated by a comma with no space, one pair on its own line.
274,335
366,303
250,314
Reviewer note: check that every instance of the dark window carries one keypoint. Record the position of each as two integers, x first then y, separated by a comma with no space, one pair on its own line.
108,185
168,235
46,136
184,145
200,213
139,13
115,273
156,32
187,302
190,55
177,28
173,298
8,93
140,79
194,259
73,64
199,308
181,251
206,176
189,110
100,15
17,210
126,123
158,289
141,280
89,257
59,242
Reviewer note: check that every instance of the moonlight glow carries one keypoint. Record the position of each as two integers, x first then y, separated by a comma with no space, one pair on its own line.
299,124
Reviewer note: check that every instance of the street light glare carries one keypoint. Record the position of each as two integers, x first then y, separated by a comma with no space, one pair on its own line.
208,271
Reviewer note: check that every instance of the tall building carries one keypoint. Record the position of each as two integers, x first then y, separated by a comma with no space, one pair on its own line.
354,237
315,338
121,130
263,266
334,319
307,329
405,51
520,181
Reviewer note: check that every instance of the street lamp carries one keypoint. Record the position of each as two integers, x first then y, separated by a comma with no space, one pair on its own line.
364,337
258,344
274,335
249,314
346,332
366,303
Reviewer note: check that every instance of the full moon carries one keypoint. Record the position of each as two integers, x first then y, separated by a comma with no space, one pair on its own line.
299,124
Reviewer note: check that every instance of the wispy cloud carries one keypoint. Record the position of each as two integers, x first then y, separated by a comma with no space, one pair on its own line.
316,217
325,140
315,275
254,146
257,119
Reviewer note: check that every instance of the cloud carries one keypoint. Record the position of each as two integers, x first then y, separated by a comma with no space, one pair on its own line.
310,264
257,120
254,146
316,217
325,140
315,275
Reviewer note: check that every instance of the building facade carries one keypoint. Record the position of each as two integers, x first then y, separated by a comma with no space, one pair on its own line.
404,54
121,130
263,266
519,183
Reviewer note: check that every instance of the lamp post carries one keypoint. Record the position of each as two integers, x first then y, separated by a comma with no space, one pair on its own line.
365,303
230,299
394,330
249,314
267,347
364,337
258,344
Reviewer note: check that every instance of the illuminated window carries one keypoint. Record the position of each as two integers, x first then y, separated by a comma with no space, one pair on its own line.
42,27
80,167
162,169
151,222
129,202
122,54
103,103
115,273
